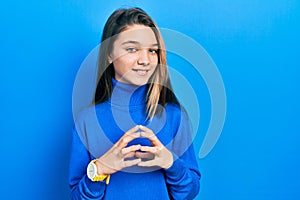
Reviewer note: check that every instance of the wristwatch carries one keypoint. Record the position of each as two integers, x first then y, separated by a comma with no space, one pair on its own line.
93,175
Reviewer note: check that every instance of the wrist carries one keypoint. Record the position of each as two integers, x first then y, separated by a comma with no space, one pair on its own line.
93,174
99,168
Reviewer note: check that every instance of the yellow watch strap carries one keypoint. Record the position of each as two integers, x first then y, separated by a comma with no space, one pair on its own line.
101,177
107,179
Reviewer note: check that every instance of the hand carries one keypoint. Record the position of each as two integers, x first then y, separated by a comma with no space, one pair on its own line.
114,159
158,153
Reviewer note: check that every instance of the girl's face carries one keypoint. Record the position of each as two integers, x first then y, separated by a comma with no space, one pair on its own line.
134,55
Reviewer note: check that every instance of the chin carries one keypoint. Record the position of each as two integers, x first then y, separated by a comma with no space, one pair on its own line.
140,82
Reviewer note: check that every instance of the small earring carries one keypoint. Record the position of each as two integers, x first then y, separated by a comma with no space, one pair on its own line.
110,59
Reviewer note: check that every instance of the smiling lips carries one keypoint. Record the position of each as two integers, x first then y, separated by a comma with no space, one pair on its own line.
141,72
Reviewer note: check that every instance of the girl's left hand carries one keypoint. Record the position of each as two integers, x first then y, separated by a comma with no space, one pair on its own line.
158,153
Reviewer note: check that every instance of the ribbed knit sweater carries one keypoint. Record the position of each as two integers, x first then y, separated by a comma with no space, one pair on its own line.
98,127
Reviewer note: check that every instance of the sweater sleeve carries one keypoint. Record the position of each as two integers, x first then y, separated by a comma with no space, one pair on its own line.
81,186
183,177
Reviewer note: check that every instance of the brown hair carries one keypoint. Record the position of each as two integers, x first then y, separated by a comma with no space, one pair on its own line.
159,87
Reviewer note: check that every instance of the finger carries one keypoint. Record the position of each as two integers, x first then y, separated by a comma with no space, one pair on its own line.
129,163
133,130
145,128
130,149
148,133
153,150
128,137
149,163
149,156
123,142
129,155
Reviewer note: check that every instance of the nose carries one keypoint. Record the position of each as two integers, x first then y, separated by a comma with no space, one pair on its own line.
143,58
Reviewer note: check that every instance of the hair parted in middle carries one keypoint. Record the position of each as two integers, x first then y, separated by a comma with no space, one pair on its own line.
159,90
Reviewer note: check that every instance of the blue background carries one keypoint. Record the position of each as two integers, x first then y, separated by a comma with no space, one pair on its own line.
255,45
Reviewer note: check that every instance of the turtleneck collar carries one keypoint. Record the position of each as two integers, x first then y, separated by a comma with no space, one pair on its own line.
127,94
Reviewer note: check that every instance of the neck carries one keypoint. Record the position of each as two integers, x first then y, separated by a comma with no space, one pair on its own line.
127,94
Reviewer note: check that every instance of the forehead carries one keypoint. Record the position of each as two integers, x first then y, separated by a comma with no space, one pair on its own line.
139,33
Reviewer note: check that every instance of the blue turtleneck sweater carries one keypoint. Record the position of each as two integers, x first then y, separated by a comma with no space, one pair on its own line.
97,128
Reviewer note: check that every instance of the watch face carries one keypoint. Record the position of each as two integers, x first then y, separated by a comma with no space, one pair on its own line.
91,170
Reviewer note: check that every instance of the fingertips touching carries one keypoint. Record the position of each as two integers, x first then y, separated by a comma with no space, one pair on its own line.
132,148
148,156
148,149
144,128
133,130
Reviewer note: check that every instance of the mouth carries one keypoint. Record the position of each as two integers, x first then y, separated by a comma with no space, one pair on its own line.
141,72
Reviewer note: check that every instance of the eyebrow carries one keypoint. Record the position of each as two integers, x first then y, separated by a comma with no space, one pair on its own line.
136,42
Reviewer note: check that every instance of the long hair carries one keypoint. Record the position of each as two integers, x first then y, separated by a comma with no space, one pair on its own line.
159,90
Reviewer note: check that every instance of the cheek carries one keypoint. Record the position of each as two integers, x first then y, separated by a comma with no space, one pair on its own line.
123,64
119,56
154,60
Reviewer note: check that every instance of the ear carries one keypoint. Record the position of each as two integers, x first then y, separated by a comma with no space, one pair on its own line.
110,60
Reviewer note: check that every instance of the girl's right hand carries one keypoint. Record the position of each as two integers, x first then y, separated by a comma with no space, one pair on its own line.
114,159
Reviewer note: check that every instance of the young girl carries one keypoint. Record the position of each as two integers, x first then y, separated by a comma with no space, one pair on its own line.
135,141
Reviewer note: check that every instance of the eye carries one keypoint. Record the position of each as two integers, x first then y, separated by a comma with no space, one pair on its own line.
131,49
153,51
